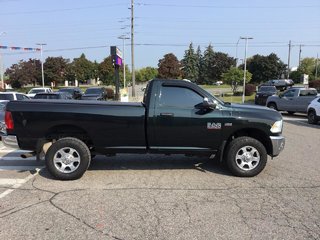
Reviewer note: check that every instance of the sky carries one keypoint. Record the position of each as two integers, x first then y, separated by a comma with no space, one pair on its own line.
69,28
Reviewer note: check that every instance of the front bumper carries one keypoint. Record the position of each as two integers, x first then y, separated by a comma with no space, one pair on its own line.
10,141
278,143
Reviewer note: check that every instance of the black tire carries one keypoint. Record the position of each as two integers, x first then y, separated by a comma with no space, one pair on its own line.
291,113
312,117
68,158
252,146
272,106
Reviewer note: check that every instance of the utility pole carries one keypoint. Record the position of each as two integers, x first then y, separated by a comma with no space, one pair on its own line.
41,54
300,54
132,52
1,66
289,54
316,75
237,52
123,37
245,67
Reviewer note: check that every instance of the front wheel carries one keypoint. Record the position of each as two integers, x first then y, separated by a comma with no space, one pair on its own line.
272,106
68,158
312,117
246,157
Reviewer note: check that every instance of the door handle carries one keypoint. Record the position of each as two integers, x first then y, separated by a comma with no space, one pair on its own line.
167,114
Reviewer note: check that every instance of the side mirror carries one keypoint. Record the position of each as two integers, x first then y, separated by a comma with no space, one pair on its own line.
208,104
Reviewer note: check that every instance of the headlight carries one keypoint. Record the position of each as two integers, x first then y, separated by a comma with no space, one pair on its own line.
276,127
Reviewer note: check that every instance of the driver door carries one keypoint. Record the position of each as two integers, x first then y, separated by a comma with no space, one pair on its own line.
286,102
180,125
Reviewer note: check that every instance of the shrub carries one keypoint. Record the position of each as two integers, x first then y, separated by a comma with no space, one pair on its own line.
315,84
110,93
250,89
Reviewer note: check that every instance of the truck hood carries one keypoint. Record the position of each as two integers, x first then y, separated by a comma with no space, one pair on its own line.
255,112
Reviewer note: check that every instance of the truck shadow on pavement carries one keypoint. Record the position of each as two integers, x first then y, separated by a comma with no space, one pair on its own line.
132,162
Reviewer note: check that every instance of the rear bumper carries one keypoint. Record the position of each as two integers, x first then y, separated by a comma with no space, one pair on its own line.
278,143
10,141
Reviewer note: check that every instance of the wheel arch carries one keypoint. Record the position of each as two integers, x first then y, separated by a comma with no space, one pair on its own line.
311,109
272,102
67,130
255,133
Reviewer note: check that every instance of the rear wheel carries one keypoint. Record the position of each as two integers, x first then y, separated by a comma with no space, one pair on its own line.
312,117
68,158
246,157
272,106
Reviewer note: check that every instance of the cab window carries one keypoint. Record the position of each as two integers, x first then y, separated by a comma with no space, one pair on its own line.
304,93
289,93
179,97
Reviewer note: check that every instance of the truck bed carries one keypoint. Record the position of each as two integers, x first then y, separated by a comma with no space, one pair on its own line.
105,123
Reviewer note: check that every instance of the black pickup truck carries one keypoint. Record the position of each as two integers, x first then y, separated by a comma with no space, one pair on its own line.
176,116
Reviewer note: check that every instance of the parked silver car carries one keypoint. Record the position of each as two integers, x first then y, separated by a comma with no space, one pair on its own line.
292,100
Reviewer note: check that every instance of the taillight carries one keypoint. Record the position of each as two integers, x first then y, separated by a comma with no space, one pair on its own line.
9,121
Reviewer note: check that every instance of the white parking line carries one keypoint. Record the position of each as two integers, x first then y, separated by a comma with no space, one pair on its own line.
19,168
8,150
17,158
294,119
19,183
10,181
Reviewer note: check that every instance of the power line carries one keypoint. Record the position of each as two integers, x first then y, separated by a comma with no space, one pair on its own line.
226,7
64,9
257,44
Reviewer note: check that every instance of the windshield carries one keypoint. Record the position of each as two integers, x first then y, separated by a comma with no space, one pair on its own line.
36,90
267,89
93,91
46,96
68,90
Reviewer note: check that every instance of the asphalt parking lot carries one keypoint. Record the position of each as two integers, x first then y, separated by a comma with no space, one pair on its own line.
168,197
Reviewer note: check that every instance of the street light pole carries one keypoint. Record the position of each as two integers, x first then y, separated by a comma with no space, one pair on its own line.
316,75
132,51
41,54
1,66
245,67
237,52
123,37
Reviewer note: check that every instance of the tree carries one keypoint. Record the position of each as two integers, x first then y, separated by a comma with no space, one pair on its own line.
264,68
146,74
169,67
296,76
23,73
207,65
234,77
199,65
55,70
189,62
308,66
84,69
106,71
222,63
214,64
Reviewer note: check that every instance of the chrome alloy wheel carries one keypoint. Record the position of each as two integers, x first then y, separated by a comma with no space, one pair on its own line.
247,158
66,160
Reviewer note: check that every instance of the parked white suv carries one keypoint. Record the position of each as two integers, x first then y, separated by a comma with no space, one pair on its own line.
12,96
314,111
34,91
